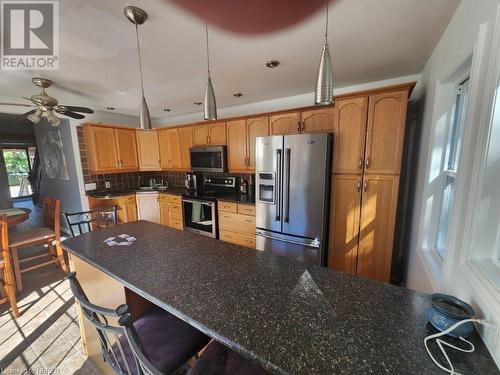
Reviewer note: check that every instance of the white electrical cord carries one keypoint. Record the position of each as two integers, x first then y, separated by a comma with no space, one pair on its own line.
441,343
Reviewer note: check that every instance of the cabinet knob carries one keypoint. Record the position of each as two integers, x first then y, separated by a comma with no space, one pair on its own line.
365,186
360,163
367,162
358,186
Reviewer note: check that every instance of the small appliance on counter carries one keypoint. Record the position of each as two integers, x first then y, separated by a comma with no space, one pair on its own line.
193,182
200,206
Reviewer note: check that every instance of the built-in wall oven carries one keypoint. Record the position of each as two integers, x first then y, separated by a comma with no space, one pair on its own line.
208,159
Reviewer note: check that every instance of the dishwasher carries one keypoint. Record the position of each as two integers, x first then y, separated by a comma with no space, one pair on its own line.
147,206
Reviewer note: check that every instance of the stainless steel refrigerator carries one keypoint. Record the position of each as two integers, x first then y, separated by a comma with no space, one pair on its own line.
292,195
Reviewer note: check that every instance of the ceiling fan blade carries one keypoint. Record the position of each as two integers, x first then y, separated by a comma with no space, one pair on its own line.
18,105
78,109
71,114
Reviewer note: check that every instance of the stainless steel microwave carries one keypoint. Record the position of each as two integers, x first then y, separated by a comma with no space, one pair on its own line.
208,159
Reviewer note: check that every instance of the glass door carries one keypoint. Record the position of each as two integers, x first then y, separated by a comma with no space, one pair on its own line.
18,163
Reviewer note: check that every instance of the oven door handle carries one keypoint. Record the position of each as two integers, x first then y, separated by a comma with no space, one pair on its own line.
206,203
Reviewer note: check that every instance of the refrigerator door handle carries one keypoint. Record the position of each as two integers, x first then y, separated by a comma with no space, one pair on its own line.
278,188
288,152
315,243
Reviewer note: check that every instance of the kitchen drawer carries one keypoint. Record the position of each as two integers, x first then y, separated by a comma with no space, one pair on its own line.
237,223
228,207
176,211
176,223
175,199
246,209
129,199
238,239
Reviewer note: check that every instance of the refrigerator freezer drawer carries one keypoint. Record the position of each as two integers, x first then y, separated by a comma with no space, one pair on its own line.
302,249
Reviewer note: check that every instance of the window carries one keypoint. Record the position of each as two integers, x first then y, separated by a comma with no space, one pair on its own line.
450,165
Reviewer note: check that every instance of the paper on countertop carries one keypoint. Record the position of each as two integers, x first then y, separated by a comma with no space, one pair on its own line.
121,240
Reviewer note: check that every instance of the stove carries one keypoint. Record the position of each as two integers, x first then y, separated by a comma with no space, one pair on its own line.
199,206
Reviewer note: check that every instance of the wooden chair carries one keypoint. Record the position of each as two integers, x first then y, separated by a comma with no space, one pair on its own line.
87,221
6,266
49,234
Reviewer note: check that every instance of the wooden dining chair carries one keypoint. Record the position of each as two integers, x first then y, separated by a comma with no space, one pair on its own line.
8,281
49,234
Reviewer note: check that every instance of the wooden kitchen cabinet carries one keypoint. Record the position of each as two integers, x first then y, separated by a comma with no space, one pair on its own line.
237,223
345,211
185,135
168,140
350,135
125,204
241,135
378,218
385,132
129,208
318,120
127,149
210,134
256,127
148,150
100,142
288,123
236,145
171,211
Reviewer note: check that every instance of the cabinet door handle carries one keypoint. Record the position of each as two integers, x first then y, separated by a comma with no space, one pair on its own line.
358,186
365,186
367,162
298,127
360,163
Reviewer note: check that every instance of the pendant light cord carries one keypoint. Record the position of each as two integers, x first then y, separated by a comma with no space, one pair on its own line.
208,52
326,23
139,54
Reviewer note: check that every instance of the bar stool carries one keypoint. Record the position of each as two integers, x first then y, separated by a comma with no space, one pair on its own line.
215,360
86,221
6,266
49,234
166,340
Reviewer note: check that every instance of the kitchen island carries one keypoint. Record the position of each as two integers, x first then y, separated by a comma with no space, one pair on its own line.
290,317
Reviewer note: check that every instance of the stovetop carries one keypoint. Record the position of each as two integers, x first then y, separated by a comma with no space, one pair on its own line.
213,188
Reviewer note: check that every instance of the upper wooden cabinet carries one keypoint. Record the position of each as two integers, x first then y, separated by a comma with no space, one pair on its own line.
127,149
236,145
168,140
110,149
317,120
148,149
349,135
385,132
210,134
378,218
185,135
241,136
288,123
256,127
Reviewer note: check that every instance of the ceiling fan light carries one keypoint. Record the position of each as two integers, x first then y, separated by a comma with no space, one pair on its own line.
36,116
53,119
324,82
144,117
210,109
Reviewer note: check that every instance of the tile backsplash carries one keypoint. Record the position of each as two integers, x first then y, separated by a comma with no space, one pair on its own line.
130,180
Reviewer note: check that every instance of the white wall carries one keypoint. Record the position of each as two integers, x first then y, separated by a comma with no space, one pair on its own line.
449,58
290,102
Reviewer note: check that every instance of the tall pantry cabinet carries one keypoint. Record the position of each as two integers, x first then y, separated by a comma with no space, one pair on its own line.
369,135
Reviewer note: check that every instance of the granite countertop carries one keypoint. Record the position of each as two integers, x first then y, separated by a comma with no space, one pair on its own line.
108,194
239,198
290,317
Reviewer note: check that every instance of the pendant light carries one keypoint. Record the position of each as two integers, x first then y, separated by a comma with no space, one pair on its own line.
138,16
210,109
324,83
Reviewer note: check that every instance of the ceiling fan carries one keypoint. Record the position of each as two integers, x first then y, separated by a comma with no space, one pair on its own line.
47,106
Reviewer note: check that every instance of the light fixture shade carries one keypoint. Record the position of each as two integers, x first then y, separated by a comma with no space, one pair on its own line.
35,117
144,116
324,83
52,118
210,108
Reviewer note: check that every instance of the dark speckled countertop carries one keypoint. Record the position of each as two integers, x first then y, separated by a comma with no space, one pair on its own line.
239,198
291,317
